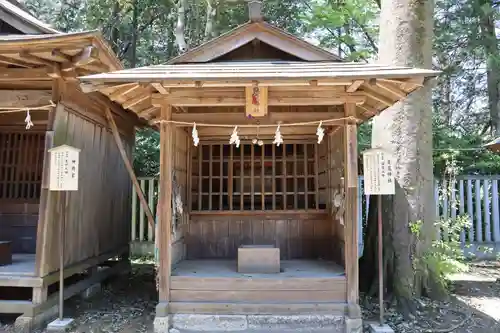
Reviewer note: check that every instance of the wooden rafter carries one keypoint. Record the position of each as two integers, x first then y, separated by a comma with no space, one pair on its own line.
378,97
354,86
135,100
15,62
123,90
392,89
25,55
160,88
147,111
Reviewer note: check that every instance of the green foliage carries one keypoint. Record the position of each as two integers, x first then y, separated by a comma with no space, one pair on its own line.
147,153
443,257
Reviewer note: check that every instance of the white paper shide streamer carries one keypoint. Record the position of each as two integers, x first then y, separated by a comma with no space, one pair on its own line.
235,139
278,139
320,132
196,139
27,120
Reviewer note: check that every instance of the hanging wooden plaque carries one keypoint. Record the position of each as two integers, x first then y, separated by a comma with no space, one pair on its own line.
256,101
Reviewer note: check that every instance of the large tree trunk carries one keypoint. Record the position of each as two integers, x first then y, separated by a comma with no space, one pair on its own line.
406,28
181,25
489,40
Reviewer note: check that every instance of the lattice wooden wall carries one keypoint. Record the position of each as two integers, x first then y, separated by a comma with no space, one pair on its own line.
21,160
254,177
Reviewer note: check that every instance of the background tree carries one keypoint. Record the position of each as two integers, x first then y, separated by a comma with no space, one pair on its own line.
406,35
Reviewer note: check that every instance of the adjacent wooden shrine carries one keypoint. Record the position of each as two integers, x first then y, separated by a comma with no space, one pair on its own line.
42,106
279,183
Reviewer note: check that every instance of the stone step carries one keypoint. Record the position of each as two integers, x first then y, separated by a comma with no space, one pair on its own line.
257,323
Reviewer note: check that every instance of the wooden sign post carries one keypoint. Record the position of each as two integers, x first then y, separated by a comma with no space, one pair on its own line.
64,161
378,172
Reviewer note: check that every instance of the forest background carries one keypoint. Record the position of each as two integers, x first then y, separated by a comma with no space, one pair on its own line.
466,96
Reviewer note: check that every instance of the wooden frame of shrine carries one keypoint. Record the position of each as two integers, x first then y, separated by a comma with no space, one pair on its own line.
254,86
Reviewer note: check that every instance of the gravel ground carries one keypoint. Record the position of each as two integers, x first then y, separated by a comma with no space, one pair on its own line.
127,303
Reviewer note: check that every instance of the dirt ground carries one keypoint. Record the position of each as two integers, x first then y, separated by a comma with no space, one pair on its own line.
127,304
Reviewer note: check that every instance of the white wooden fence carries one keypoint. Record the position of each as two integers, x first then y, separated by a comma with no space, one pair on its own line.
476,196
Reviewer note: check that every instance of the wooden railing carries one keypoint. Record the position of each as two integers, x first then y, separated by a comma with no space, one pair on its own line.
475,196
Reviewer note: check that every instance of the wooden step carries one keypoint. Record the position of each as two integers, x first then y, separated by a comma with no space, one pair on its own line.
337,284
252,296
235,308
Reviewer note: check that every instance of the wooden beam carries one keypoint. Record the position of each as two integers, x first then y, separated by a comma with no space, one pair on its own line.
128,165
264,132
354,86
24,98
351,210
240,118
165,222
160,88
24,74
274,99
88,55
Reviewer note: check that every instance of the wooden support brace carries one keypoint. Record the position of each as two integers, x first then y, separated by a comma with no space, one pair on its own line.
128,165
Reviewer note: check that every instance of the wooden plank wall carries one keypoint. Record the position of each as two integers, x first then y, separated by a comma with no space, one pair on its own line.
335,167
99,212
182,150
298,235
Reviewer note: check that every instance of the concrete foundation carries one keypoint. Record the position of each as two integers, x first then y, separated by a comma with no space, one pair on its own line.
353,325
60,325
376,328
91,291
25,324
248,323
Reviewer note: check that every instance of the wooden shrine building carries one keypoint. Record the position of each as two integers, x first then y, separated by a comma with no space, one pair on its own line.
38,74
295,202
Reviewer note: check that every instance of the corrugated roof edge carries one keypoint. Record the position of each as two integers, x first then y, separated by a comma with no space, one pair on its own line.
23,15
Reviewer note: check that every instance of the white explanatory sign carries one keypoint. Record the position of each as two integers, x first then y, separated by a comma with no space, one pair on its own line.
378,172
64,168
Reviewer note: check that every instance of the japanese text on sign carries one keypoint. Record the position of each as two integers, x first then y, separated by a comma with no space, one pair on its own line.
378,170
64,162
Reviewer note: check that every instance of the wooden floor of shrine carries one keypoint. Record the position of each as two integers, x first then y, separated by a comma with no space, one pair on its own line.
215,287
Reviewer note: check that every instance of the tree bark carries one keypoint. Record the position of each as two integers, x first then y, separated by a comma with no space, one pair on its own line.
133,51
405,130
181,25
114,28
209,26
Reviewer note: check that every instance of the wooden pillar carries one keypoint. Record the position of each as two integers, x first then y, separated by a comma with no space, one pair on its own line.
351,212
165,221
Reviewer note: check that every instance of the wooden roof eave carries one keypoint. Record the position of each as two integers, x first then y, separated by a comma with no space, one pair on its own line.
14,47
